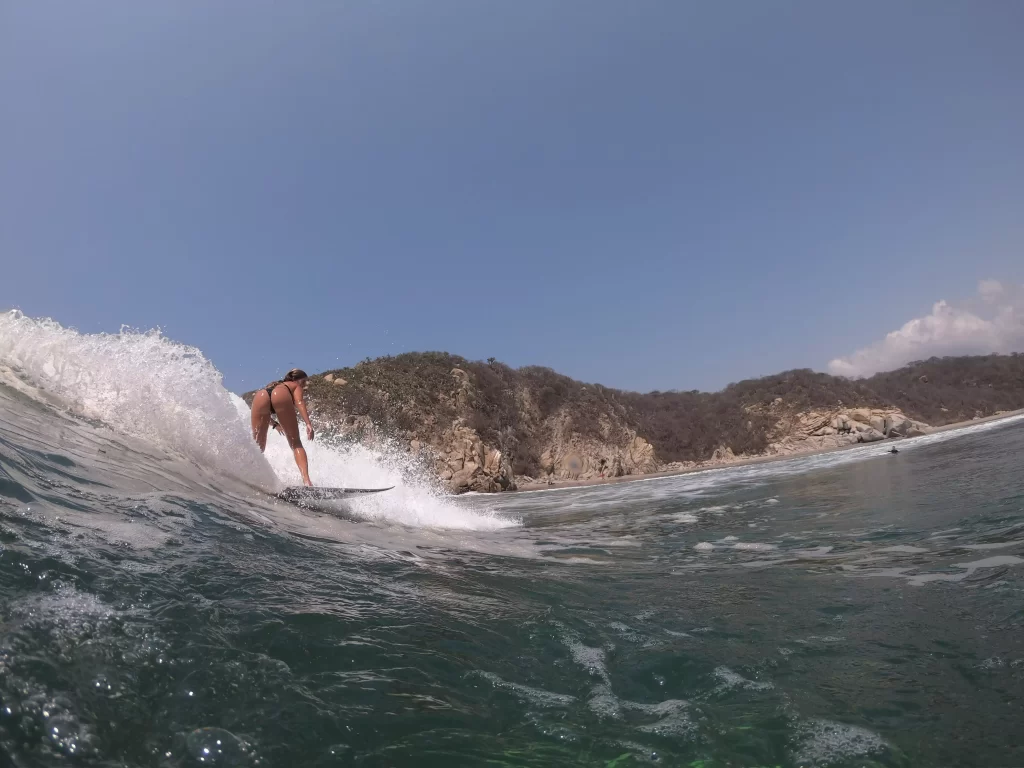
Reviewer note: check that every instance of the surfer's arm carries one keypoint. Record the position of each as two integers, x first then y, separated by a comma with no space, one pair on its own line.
300,403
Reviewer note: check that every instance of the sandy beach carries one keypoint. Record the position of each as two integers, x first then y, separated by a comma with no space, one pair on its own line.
744,461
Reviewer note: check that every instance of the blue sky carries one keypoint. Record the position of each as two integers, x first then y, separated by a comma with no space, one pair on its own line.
650,194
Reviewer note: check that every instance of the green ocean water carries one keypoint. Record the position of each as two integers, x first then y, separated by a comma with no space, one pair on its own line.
854,609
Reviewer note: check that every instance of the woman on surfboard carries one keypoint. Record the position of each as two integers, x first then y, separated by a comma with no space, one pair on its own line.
282,398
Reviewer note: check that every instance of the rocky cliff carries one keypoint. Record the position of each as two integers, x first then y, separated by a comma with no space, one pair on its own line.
483,426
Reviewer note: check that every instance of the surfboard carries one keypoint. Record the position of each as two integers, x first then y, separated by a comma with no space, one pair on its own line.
298,493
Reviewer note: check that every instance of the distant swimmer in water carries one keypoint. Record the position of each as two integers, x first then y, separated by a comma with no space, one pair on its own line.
894,450
281,398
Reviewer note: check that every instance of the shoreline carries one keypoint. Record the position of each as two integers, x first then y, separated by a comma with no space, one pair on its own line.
742,462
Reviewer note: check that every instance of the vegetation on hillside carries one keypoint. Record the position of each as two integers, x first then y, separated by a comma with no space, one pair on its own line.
415,395
948,389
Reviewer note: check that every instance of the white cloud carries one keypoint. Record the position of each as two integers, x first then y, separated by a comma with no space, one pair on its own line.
992,322
991,291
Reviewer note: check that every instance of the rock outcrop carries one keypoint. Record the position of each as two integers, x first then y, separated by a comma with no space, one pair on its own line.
483,426
572,457
466,464
820,430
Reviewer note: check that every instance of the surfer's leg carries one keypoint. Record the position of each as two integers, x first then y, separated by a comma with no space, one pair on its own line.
303,463
260,434
260,419
285,409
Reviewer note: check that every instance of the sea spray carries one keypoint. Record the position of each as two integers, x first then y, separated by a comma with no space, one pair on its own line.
139,383
417,498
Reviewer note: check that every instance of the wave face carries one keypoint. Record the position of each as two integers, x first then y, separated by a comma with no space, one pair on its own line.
139,384
159,607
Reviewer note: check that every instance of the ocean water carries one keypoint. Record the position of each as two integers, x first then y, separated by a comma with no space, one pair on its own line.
158,607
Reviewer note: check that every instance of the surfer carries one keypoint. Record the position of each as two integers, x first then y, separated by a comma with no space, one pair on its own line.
281,398
894,450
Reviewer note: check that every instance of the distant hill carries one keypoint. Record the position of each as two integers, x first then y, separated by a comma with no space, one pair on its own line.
486,426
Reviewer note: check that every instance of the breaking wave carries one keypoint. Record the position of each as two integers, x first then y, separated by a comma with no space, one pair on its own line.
146,386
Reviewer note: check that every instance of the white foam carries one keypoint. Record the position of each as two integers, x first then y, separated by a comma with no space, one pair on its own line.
674,719
533,695
604,703
591,659
415,499
140,384
68,613
704,546
969,569
812,552
753,546
716,510
825,742
730,679
992,545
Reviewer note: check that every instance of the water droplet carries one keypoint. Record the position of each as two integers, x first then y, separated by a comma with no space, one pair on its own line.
215,746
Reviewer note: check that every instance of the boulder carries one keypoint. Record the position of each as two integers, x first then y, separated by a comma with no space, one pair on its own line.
869,435
900,428
492,462
723,454
615,468
469,465
340,382
862,415
505,476
639,457
842,424
463,479
329,377
463,395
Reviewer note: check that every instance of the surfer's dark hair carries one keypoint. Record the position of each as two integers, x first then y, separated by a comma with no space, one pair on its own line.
295,374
